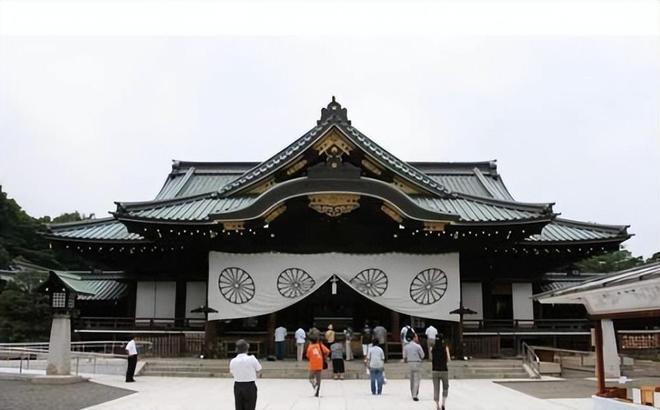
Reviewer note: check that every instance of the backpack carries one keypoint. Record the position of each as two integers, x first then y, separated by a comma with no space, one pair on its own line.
410,334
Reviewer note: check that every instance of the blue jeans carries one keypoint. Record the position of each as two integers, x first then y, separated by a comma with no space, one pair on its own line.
279,350
376,376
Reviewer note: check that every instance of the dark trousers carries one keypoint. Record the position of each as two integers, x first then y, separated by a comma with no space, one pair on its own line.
130,370
279,350
245,395
338,365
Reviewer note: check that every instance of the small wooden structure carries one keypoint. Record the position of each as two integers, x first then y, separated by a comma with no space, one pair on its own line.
631,293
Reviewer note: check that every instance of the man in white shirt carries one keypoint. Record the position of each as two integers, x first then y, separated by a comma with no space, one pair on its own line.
280,336
431,334
300,343
244,368
131,350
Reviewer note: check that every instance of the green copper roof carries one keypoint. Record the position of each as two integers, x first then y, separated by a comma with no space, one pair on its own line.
103,229
92,287
565,231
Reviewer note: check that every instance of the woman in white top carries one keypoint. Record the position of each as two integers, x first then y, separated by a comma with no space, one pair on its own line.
375,362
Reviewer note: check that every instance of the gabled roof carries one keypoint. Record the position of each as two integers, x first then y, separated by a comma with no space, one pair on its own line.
631,292
470,192
564,231
90,286
102,230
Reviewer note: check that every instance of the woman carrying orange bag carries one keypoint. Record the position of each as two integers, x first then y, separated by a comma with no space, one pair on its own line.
316,353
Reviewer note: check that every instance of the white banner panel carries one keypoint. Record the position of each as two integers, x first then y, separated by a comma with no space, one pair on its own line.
244,285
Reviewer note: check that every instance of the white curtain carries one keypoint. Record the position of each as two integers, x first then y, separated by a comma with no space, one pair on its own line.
244,285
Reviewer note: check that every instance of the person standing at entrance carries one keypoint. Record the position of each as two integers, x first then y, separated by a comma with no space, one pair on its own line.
375,361
280,338
337,356
131,350
407,334
413,355
431,334
380,334
366,339
348,336
330,336
316,354
440,372
244,368
300,343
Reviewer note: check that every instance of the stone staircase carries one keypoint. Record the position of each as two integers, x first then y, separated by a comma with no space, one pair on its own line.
394,369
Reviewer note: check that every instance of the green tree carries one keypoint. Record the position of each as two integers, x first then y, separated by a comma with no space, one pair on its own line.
24,312
20,235
654,258
609,262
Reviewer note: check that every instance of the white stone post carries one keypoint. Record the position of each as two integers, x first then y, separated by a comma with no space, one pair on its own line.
59,347
611,358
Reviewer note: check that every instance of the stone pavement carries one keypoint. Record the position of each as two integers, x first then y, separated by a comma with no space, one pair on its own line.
279,394
22,395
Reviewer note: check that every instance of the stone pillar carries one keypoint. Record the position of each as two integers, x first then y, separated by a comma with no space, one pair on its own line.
611,361
59,347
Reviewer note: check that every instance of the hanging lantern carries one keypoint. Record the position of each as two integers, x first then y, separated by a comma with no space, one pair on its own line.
334,281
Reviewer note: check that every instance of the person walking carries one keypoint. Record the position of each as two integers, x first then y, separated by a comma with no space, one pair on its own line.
316,354
330,336
380,334
440,372
413,354
300,336
244,369
348,337
337,356
366,339
280,339
431,334
131,350
375,361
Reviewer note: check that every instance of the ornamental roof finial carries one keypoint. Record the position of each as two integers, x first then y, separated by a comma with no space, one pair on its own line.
334,113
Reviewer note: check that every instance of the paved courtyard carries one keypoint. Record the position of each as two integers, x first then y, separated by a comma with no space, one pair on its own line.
280,394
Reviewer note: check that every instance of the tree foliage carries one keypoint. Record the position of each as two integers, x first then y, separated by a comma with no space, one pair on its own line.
24,312
20,235
609,262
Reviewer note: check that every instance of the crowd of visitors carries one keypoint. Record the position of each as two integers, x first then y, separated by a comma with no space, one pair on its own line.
329,346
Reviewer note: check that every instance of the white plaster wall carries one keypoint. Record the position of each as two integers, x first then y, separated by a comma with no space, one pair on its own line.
145,299
473,299
195,297
523,307
155,299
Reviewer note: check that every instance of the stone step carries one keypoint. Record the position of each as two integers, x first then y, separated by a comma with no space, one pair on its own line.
473,369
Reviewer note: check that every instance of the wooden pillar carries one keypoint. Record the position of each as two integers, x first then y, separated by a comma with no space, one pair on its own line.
395,325
270,330
600,364
210,336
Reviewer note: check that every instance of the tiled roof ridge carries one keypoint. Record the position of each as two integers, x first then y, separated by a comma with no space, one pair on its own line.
286,154
126,206
594,225
73,224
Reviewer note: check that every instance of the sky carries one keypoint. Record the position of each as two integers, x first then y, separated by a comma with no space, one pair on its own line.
93,114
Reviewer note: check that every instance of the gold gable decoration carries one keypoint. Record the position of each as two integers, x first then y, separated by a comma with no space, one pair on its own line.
434,226
263,187
233,225
391,213
405,186
371,167
334,205
296,167
334,144
275,213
